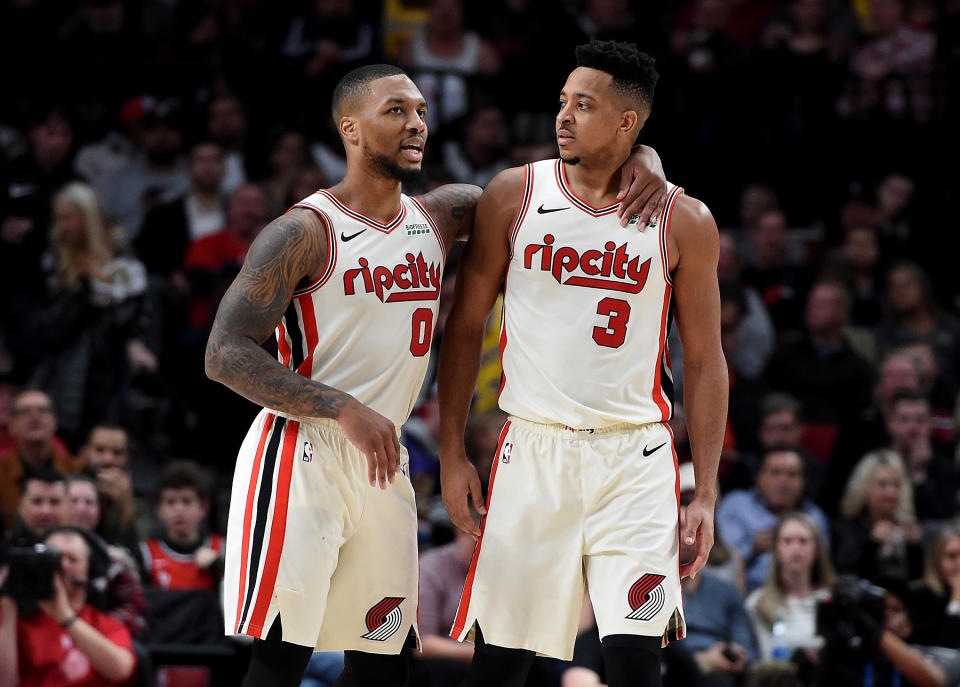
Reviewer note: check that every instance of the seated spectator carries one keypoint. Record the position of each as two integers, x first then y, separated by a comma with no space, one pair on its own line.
878,535
747,518
936,597
124,593
784,610
93,317
856,263
480,154
33,424
934,477
288,157
67,641
43,505
227,127
781,424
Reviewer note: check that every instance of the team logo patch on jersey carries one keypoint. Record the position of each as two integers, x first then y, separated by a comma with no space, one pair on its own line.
646,597
384,618
413,229
611,268
505,454
413,280
307,452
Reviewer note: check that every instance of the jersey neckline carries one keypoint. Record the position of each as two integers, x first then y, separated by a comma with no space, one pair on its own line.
386,227
561,175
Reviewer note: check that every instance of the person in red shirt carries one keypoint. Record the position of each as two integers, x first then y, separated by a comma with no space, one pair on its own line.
67,642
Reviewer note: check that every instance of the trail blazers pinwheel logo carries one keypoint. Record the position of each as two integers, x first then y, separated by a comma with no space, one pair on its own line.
646,597
384,618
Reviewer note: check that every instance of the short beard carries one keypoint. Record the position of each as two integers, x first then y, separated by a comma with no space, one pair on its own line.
572,161
391,169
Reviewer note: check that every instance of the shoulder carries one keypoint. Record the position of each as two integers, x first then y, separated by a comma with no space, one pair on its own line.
738,499
507,188
691,220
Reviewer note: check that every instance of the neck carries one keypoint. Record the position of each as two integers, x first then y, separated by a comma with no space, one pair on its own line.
826,339
375,195
207,198
597,181
35,453
797,583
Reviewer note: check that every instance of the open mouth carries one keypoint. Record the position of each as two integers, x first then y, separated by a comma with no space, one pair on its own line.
412,151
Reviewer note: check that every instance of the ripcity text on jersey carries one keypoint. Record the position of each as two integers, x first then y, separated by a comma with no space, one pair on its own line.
586,312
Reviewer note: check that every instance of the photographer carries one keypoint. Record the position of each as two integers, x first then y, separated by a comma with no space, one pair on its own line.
67,641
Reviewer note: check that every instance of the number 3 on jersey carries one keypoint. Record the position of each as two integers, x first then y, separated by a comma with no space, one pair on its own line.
615,332
422,332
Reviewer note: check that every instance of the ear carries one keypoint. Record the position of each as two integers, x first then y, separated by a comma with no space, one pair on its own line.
631,123
349,129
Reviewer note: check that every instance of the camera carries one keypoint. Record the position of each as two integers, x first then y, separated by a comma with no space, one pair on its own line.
837,616
31,572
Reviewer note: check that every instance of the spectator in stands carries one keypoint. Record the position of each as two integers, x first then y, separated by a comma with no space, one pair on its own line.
185,556
856,264
287,158
33,425
935,599
93,317
821,369
327,36
156,177
784,610
67,642
43,505
913,316
781,424
894,194
107,455
935,479
227,127
480,154
878,535
747,518
169,229
124,593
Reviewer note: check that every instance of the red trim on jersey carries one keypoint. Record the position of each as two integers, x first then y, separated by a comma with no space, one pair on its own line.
468,584
676,468
283,348
503,333
248,514
524,205
561,174
658,398
434,225
386,228
331,249
665,232
277,530
310,333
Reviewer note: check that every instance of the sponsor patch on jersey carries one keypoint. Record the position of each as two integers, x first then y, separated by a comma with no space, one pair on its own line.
307,452
413,229
645,597
383,619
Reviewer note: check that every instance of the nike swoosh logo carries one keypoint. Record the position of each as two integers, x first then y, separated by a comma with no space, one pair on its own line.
648,451
344,237
542,211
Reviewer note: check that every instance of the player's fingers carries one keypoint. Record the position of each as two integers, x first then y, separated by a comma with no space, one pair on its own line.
661,206
638,204
476,494
690,527
371,457
393,456
383,465
626,180
650,208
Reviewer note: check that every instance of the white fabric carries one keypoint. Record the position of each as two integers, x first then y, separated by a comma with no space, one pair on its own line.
800,623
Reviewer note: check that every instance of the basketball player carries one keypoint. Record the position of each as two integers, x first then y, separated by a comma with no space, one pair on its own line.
585,478
316,556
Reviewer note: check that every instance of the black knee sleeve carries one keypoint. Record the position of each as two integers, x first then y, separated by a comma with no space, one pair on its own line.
497,665
275,663
361,669
632,660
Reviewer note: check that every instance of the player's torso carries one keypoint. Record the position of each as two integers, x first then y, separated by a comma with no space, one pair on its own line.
172,570
366,325
586,311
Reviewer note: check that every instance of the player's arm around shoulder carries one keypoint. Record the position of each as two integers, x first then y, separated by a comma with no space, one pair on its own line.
453,207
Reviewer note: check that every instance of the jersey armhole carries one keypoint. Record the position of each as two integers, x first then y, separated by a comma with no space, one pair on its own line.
524,205
433,225
331,250
665,232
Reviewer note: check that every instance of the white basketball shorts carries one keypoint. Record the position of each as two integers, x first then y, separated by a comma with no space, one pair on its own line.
564,505
310,539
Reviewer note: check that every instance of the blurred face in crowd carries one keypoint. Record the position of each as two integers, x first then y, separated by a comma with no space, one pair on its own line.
248,211
608,14
485,134
289,153
711,16
796,548
925,362
808,14
226,122
206,167
895,617
728,266
909,422
949,564
827,309
69,226
446,17
895,192
769,237
883,493
75,557
755,201
84,504
51,140
308,182
897,373
32,417
161,139
107,448
780,428
182,512
780,480
904,289
43,505
860,248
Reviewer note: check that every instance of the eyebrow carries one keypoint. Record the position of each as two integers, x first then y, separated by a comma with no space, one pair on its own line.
422,103
579,95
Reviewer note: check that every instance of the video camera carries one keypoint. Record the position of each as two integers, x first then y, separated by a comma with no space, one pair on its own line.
839,617
31,572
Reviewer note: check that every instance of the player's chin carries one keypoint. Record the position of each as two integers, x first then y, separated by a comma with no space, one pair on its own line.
569,156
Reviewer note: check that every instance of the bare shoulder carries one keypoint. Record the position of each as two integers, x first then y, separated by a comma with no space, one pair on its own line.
503,196
692,229
453,207
291,247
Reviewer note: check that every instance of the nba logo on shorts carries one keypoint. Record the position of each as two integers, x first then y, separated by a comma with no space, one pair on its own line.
507,450
307,452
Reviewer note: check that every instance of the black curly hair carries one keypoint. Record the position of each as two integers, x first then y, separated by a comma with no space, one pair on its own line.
633,71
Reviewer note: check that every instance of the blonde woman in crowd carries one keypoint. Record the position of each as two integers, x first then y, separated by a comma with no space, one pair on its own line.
784,610
936,597
878,535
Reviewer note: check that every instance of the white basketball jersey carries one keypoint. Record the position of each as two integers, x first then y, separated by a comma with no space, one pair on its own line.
586,311
365,327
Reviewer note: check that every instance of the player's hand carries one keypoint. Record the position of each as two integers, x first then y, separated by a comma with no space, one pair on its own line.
763,541
375,437
458,480
204,557
697,530
643,187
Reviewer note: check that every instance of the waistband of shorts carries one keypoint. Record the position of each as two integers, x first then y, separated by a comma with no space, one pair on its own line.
318,422
560,430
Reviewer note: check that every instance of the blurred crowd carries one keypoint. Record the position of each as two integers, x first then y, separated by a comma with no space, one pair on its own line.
145,144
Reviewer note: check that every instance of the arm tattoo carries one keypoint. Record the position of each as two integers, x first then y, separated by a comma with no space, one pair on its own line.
289,250
453,207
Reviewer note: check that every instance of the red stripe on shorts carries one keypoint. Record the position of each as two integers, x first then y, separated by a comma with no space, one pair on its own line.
248,515
277,529
468,584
